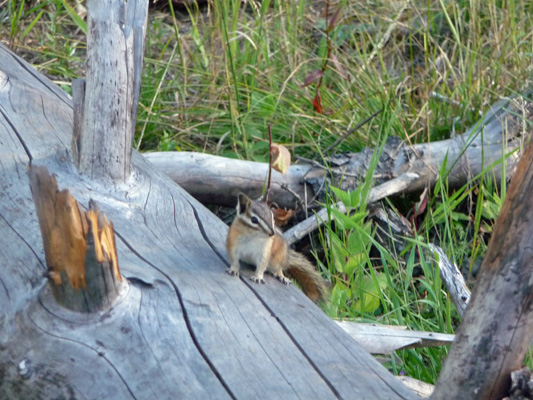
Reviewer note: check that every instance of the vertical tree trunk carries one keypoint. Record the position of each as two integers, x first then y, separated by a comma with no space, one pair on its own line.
494,336
102,150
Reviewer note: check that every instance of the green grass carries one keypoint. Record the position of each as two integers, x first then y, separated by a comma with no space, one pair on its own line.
216,76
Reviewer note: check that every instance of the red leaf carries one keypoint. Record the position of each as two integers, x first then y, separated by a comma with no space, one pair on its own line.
313,76
317,103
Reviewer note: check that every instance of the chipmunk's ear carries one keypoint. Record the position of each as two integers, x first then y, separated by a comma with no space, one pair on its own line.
243,203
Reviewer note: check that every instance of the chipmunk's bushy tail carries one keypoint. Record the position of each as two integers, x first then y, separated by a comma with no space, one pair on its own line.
303,272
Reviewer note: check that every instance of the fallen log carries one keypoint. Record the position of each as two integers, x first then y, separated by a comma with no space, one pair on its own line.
492,145
218,180
180,327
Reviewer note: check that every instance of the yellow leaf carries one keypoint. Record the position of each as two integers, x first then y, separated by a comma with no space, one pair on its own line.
281,158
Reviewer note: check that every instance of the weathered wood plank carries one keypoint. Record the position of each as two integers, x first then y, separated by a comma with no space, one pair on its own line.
185,329
49,361
134,329
230,325
254,349
379,339
34,105
22,262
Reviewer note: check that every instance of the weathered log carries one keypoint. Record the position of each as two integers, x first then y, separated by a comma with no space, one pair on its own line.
218,180
498,325
490,145
184,329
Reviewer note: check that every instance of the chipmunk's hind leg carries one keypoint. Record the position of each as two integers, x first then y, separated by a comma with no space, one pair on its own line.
279,260
282,278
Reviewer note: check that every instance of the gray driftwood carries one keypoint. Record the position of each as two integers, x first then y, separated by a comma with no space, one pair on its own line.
482,147
115,44
422,389
379,339
453,280
183,328
218,180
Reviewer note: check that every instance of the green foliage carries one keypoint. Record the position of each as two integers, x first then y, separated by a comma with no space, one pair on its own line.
235,67
75,17
371,282
17,14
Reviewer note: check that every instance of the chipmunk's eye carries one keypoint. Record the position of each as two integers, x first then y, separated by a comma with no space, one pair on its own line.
254,220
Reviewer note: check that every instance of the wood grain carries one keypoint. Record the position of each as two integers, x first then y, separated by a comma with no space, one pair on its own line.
115,43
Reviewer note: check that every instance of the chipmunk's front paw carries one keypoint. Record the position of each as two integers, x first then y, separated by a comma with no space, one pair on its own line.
257,280
231,271
284,280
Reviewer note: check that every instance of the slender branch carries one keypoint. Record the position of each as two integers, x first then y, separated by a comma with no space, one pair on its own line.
359,125
269,163
453,280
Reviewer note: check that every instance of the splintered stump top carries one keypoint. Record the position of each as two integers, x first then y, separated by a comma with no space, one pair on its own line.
79,247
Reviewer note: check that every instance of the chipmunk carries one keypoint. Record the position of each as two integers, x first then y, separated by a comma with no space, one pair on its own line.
253,238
